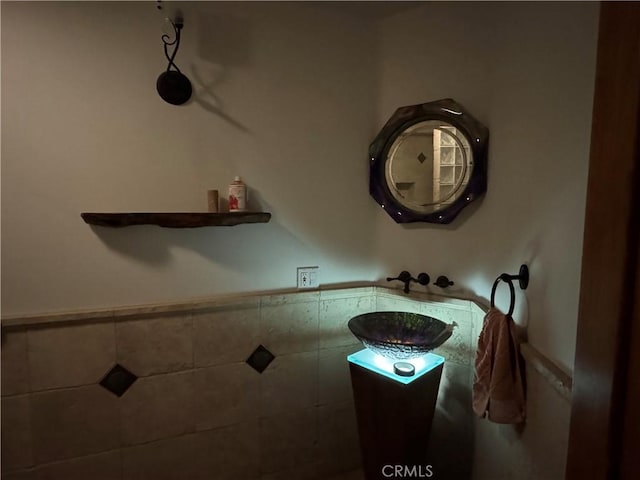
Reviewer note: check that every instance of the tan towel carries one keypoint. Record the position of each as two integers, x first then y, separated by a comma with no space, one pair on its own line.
498,388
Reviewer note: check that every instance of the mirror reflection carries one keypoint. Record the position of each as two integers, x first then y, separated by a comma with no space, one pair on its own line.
428,166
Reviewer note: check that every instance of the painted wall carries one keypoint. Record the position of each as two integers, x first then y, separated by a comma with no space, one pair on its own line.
288,96
525,70
284,97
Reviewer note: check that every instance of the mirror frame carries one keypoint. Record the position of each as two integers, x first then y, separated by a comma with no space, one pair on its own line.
446,110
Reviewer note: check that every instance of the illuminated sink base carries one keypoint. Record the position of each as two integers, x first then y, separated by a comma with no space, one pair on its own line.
394,412
384,366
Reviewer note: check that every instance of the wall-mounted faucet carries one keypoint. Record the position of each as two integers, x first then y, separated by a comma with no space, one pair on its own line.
406,278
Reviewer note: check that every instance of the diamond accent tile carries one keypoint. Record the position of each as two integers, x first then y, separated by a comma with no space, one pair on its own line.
118,380
422,157
260,359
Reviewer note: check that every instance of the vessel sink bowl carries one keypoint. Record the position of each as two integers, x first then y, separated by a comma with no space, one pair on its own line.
400,335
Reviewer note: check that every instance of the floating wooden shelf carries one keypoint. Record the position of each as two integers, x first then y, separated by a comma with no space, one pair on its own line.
175,219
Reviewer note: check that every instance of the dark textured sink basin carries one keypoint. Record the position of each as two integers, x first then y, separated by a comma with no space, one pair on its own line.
400,335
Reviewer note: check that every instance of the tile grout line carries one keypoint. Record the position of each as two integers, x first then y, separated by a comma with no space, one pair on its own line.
261,389
317,380
119,406
317,350
30,401
193,338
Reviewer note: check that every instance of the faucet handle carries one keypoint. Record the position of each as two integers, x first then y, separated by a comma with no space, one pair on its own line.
423,279
443,282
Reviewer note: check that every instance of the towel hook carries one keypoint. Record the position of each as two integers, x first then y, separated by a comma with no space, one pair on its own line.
523,280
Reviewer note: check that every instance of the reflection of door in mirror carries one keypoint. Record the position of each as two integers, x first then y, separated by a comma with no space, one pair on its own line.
451,162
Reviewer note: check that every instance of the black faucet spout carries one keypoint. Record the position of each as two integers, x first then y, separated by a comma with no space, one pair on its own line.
405,277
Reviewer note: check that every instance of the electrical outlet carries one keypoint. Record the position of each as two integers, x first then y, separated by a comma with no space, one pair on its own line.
308,277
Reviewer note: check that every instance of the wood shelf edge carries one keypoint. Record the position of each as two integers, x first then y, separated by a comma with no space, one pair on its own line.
174,219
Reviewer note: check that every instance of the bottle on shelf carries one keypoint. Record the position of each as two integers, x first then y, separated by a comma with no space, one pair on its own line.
237,196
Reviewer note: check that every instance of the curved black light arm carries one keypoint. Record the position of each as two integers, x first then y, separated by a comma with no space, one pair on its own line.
166,39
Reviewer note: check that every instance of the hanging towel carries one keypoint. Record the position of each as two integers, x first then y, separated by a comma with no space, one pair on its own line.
498,389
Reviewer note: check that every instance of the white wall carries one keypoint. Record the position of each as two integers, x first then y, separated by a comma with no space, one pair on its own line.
83,129
525,70
303,89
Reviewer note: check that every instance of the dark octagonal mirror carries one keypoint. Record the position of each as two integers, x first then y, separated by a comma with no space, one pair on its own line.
428,162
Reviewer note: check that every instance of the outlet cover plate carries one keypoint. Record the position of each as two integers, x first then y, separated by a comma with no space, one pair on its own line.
308,277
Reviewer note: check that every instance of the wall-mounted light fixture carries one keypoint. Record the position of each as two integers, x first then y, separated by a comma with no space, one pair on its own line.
172,85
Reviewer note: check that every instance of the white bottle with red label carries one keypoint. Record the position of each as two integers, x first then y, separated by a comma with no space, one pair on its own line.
237,196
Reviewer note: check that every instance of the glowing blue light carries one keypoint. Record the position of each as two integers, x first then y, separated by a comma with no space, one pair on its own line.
384,366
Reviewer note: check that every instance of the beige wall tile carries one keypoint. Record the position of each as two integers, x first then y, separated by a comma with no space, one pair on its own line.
396,303
537,451
289,383
73,422
458,348
547,411
155,345
67,356
16,433
225,336
454,394
338,442
104,466
15,370
158,407
289,327
288,441
302,296
347,292
226,394
444,300
228,453
169,459
334,316
451,440
443,312
334,379
476,327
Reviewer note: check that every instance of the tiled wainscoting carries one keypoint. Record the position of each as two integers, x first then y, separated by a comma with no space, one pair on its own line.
197,409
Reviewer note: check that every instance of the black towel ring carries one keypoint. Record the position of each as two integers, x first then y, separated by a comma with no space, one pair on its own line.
523,280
